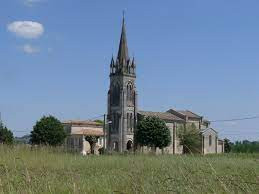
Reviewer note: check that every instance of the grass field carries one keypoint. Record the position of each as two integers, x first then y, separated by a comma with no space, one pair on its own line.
50,171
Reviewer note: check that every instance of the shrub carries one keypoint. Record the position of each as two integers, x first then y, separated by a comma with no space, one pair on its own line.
6,136
153,132
48,131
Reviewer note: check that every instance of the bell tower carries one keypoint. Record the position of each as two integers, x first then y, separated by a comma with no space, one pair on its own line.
122,99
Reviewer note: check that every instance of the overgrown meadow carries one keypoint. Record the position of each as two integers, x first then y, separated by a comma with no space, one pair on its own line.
46,170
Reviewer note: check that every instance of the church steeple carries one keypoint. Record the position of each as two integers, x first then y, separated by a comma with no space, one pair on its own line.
122,98
123,64
123,53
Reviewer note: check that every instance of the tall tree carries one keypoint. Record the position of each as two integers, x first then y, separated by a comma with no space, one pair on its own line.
153,132
6,135
48,131
190,138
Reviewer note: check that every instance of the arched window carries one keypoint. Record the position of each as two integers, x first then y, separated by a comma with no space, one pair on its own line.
210,140
130,122
115,123
130,95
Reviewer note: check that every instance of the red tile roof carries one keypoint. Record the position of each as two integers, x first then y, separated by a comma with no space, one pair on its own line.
89,131
82,122
189,113
162,115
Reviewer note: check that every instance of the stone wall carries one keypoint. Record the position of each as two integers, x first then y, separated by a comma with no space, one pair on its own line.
220,148
210,142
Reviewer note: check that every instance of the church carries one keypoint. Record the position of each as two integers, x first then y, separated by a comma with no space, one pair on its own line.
123,113
117,135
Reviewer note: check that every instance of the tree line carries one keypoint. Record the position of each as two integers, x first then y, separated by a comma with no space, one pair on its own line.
151,132
241,146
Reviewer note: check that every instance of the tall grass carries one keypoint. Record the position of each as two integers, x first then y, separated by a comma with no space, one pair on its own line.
46,170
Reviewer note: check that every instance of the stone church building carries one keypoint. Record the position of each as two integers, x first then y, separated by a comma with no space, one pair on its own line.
123,112
123,115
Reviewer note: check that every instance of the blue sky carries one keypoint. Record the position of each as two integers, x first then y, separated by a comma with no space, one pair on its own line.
199,55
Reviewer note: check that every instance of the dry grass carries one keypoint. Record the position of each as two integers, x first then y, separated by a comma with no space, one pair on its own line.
50,171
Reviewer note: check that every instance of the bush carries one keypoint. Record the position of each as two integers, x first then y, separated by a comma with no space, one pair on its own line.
153,132
48,131
6,136
190,139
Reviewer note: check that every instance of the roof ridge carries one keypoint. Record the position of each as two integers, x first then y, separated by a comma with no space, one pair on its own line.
193,113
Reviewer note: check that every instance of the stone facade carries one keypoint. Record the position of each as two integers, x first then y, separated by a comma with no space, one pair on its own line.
220,146
123,114
122,99
209,141
77,131
176,119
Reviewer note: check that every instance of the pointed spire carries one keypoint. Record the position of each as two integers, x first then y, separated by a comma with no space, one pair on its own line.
123,54
112,66
112,62
133,62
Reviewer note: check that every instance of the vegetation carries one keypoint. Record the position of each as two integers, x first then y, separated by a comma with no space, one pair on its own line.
23,140
92,141
99,121
241,146
190,139
153,132
227,145
49,170
6,136
48,131
245,147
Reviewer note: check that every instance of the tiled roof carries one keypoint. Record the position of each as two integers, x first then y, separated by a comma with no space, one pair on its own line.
80,122
89,131
162,115
189,113
204,130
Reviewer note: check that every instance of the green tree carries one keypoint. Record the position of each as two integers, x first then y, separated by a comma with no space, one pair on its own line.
48,131
190,138
153,132
99,121
6,136
227,145
92,141
245,147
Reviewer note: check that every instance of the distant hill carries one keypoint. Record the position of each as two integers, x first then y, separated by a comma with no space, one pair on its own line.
23,140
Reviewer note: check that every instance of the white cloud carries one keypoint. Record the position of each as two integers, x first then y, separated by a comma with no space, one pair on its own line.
29,49
26,29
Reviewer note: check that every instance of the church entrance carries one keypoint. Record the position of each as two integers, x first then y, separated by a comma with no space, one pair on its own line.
129,145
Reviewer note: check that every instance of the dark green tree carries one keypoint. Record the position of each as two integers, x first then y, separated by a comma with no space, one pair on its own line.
92,141
6,136
153,132
48,131
227,145
190,138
